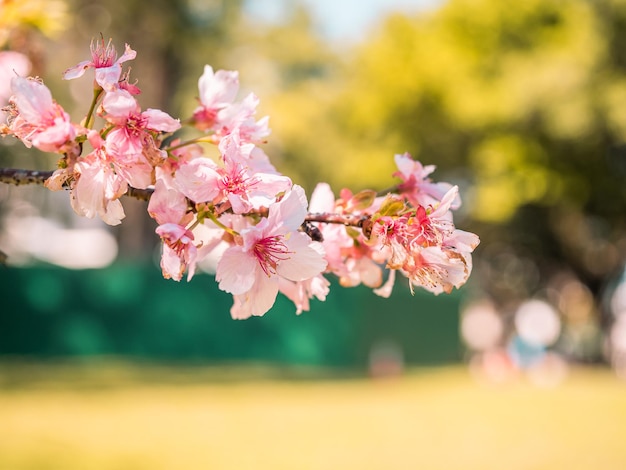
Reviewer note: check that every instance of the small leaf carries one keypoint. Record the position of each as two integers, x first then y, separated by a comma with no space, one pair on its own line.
362,200
391,207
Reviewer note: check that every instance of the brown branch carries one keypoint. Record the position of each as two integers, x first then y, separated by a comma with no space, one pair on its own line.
344,219
140,194
19,177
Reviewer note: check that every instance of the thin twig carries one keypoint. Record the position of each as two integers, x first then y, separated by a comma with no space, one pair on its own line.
344,219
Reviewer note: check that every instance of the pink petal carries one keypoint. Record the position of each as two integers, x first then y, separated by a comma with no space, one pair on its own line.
290,212
160,121
108,77
113,213
259,299
197,179
385,290
322,199
120,104
129,54
171,264
305,261
369,272
219,89
78,70
259,161
166,205
33,99
271,184
52,138
236,271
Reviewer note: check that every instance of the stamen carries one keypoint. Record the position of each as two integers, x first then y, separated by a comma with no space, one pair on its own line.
269,251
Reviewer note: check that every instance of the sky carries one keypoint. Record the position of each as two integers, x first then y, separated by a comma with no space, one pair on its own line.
341,20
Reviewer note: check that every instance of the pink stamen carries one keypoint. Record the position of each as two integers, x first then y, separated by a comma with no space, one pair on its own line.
101,55
237,182
136,124
269,251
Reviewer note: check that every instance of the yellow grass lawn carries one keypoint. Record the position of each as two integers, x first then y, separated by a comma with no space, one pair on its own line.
435,419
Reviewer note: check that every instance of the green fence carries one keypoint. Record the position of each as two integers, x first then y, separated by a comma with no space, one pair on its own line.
131,311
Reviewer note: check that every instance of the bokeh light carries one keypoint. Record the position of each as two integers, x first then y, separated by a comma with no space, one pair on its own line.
481,326
537,323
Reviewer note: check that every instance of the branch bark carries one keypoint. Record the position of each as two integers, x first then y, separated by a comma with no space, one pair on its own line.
20,177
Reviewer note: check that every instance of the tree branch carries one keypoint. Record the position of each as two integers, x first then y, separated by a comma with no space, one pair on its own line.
19,177
332,218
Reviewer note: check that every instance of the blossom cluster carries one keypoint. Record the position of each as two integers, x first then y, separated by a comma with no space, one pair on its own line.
236,208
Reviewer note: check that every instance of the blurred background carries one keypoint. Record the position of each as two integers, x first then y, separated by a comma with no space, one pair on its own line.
103,364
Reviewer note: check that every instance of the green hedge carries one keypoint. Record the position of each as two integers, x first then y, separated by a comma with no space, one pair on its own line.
131,311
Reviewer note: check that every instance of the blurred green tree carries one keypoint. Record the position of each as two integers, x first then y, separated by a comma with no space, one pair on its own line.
523,105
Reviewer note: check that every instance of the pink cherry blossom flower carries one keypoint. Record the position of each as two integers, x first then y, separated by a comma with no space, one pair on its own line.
416,186
217,91
130,141
232,145
240,116
437,270
37,120
244,188
430,227
425,246
97,187
218,111
179,253
246,191
274,248
108,68
201,180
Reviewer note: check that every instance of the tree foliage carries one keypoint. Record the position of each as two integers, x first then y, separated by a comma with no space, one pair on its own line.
523,104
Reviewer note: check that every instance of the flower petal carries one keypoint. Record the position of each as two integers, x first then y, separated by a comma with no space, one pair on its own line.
306,258
236,271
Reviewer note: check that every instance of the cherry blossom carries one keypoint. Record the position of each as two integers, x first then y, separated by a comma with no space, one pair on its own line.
218,112
179,251
416,186
36,119
245,188
232,207
170,209
217,91
251,268
130,141
96,187
108,68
